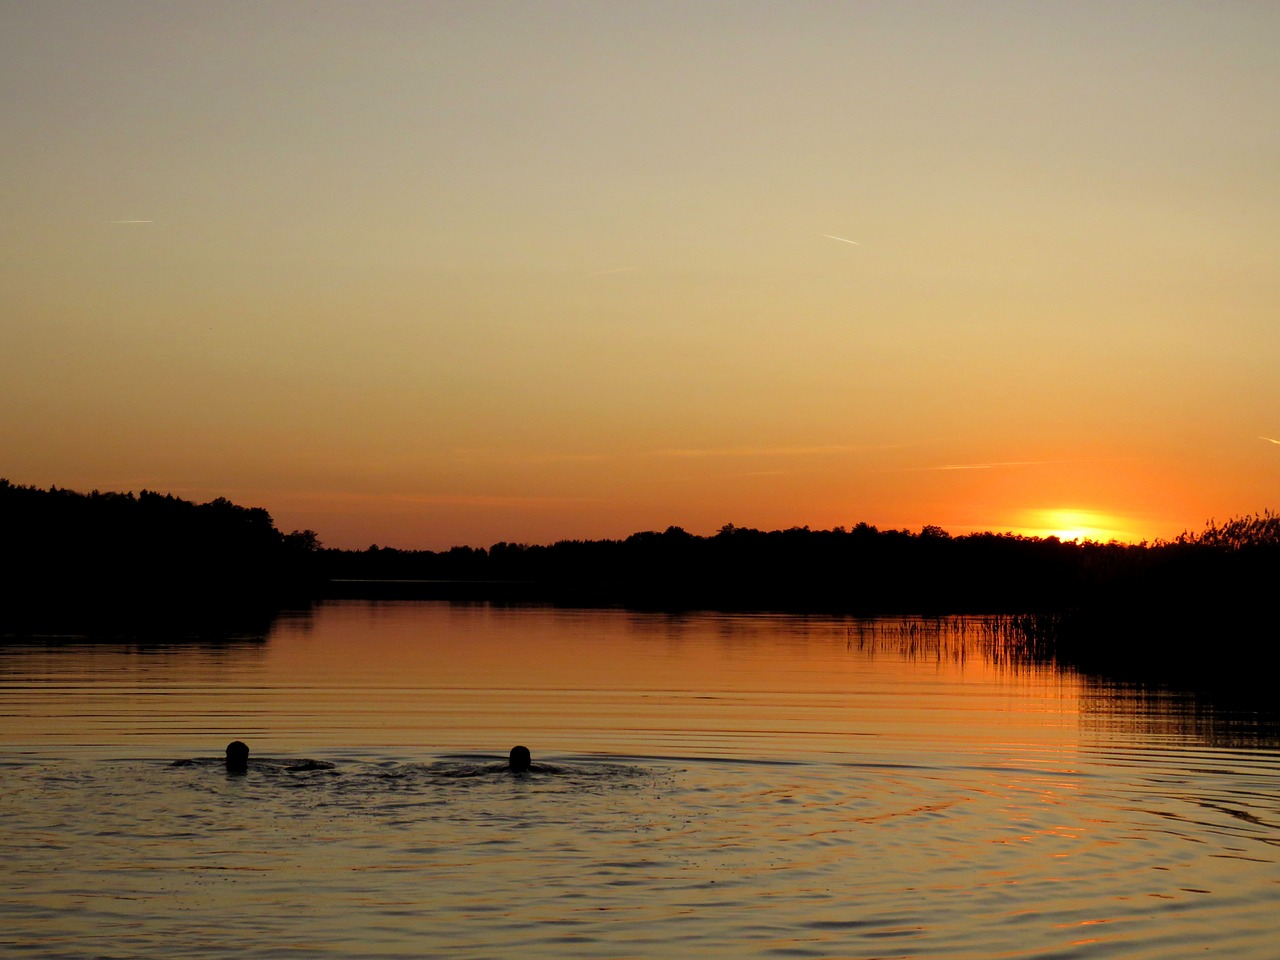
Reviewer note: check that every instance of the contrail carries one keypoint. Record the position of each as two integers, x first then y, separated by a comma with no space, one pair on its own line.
830,236
1268,439
130,221
760,451
997,465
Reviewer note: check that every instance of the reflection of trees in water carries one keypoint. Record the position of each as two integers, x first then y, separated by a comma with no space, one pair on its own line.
1195,643
96,664
1017,642
114,644
1154,714
1180,706
171,629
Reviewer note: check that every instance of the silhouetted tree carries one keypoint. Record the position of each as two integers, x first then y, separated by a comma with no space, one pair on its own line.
74,554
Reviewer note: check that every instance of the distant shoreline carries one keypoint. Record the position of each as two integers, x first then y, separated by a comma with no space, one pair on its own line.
1199,608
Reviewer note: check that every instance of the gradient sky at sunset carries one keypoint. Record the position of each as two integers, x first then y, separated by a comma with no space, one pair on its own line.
425,274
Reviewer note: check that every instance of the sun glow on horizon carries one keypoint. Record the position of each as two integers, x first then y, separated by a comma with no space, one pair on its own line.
1067,523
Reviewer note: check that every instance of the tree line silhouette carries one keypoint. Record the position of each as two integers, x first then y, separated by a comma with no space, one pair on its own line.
1147,607
861,570
89,557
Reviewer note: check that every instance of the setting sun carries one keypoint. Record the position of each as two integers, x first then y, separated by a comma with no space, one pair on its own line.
1076,524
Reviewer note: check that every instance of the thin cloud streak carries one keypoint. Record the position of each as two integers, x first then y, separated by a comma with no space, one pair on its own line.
130,221
441,499
831,236
1269,440
497,457
820,451
481,500
691,453
998,465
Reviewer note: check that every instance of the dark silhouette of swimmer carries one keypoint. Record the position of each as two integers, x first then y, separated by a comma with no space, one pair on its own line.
520,761
237,757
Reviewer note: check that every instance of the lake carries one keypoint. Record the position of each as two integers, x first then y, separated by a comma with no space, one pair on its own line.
715,786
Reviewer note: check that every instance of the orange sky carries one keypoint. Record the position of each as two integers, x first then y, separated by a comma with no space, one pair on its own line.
429,274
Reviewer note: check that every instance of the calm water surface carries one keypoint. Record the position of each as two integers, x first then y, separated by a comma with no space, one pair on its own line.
728,786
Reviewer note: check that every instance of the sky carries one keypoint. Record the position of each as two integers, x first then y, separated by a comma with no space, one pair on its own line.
441,273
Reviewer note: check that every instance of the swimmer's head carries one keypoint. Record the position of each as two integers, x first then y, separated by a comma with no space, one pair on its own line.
520,761
237,757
